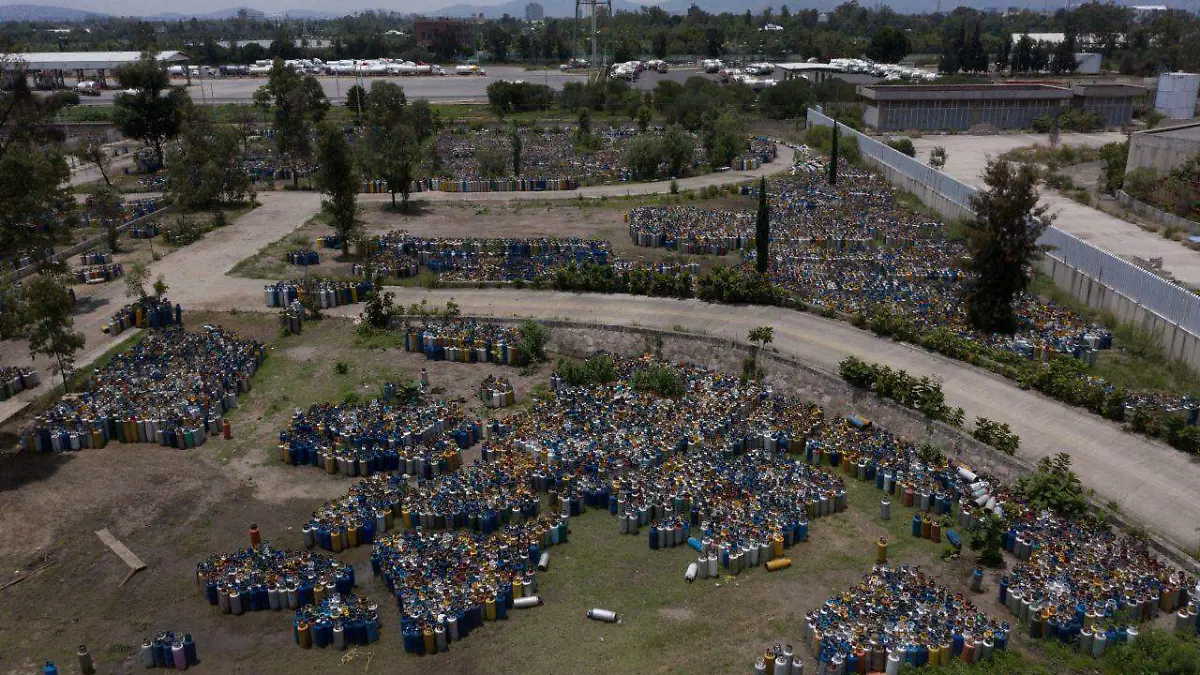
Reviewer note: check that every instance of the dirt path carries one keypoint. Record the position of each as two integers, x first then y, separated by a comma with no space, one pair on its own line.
193,274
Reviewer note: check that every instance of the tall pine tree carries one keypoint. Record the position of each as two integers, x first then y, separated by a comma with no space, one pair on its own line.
762,229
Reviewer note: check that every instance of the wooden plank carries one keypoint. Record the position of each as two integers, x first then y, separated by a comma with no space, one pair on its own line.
121,550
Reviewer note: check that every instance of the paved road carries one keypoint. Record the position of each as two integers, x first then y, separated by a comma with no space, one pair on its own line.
967,155
451,88
1153,483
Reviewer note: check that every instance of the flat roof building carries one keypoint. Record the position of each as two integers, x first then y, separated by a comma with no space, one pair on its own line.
958,107
816,72
33,61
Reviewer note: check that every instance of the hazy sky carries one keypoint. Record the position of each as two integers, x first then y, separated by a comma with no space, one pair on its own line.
148,7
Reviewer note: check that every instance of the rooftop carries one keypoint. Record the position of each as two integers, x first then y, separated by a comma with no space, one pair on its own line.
937,92
79,60
1183,132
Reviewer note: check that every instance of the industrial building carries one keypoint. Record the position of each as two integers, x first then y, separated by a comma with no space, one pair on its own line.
1163,149
50,68
958,107
1113,102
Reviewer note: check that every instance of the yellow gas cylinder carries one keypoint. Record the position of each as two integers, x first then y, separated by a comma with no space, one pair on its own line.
337,541
946,655
489,609
352,536
388,519
304,631
926,526
319,592
430,642
284,455
777,545
406,519
518,587
881,551
935,654
778,564
330,464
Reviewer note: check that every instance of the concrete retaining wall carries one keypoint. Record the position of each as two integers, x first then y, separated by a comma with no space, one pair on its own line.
1160,150
947,208
1175,341
1156,215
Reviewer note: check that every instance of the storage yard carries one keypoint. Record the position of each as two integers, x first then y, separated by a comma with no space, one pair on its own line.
191,449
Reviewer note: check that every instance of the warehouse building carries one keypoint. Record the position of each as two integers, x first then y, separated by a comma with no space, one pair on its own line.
958,107
49,69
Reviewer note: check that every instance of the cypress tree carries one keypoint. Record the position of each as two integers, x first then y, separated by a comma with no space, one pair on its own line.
833,155
762,229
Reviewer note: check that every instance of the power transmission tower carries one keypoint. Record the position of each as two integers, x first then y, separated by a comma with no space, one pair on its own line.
594,7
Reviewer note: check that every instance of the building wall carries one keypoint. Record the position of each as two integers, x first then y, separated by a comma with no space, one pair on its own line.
1160,152
1116,111
962,115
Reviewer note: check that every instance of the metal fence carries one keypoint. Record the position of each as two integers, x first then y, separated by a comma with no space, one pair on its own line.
1171,301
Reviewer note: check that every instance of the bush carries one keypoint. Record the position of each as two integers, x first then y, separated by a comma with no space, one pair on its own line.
534,337
923,394
506,97
732,285
821,138
659,379
904,145
1055,487
599,369
996,434
377,311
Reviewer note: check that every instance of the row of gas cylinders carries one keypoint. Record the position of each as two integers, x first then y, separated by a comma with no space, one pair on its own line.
19,380
98,274
429,641
169,650
144,231
327,633
501,185
326,295
291,319
876,657
234,600
498,398
363,532
94,258
136,315
495,352
384,459
303,256
41,439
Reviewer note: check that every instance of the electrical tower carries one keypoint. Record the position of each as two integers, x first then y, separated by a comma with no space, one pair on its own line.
594,7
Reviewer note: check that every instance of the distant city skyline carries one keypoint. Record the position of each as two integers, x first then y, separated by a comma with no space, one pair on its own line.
154,7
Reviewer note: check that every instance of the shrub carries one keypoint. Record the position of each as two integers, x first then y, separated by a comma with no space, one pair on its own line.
996,434
534,337
659,379
904,145
598,369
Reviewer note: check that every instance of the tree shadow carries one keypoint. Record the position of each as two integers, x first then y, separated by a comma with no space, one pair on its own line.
90,304
21,468
416,208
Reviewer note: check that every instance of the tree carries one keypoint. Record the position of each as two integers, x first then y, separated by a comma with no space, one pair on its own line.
762,231
533,339
106,204
396,158
643,117
1055,487
356,97
300,104
91,151
385,105
888,45
514,136
658,44
338,179
904,145
937,157
1063,59
833,154
1023,56
491,162
643,157
762,336
135,280
787,99
1002,242
206,166
585,123
153,111
724,138
50,323
1114,157
678,149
